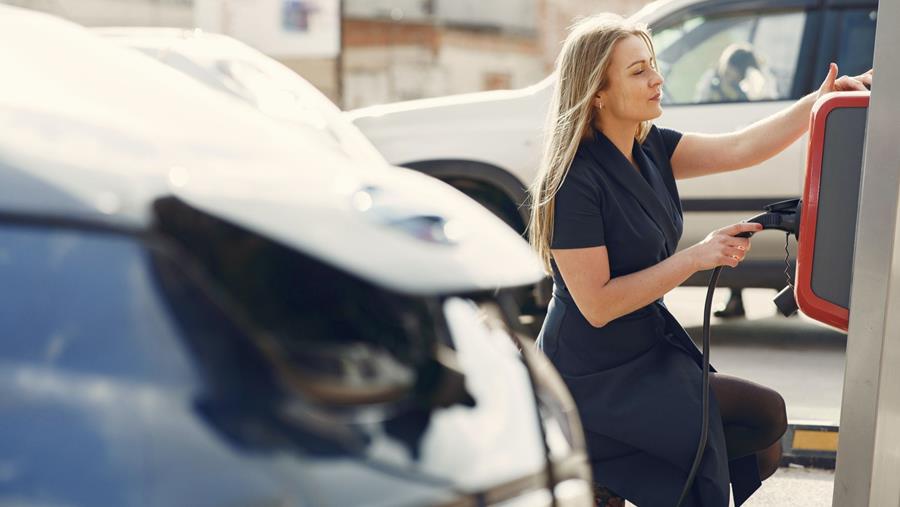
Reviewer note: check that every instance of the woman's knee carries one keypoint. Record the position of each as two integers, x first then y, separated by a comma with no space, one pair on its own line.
769,460
772,419
778,419
751,405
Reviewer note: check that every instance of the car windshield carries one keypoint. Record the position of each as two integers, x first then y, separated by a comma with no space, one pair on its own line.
281,93
264,83
101,309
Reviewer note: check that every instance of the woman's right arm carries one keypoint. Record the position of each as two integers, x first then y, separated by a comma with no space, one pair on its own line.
602,299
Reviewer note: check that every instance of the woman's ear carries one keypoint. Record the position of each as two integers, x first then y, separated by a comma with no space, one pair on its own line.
598,101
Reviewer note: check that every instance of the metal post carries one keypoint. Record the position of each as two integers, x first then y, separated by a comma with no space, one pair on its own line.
868,460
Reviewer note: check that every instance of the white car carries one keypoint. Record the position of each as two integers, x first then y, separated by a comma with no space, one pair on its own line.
204,306
488,144
236,69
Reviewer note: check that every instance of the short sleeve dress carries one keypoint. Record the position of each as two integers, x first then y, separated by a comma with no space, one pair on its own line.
636,380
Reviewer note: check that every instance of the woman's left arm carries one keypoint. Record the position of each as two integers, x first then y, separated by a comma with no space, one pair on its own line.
702,154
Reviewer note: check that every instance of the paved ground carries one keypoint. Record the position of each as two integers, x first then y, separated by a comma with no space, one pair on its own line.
793,487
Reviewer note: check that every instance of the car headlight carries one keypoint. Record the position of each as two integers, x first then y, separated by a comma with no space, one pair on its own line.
564,436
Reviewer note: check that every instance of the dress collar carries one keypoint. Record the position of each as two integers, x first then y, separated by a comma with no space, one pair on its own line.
614,163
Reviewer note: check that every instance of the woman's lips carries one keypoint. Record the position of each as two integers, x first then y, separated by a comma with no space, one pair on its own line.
657,97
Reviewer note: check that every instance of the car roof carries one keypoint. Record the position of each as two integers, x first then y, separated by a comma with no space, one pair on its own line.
658,9
97,132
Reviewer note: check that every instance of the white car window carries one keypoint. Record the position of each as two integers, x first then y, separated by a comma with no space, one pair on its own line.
856,40
741,58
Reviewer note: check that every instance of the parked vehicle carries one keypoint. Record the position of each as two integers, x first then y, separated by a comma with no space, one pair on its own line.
231,67
203,306
488,144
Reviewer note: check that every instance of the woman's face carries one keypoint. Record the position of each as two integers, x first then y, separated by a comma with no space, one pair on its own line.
634,88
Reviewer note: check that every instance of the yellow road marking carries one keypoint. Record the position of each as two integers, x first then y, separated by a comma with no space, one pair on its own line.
808,440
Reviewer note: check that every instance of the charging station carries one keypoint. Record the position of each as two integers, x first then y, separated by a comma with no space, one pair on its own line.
868,456
829,207
848,265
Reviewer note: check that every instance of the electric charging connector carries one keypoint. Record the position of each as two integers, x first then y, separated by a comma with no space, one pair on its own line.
782,216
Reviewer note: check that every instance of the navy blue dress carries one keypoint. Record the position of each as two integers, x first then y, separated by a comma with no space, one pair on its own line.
636,380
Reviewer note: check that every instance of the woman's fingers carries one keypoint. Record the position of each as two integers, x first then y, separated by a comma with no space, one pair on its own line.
828,84
866,77
736,253
735,229
731,257
728,260
742,244
833,83
723,248
847,83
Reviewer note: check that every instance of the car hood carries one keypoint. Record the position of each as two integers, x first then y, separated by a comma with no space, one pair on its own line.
398,228
96,132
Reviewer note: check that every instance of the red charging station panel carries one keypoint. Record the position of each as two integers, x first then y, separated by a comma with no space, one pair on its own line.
830,205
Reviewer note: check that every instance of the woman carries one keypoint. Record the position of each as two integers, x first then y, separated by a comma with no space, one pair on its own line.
606,220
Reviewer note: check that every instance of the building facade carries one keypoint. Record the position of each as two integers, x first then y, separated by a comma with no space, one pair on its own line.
426,48
384,50
408,49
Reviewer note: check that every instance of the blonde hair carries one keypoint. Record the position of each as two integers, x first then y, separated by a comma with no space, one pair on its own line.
580,73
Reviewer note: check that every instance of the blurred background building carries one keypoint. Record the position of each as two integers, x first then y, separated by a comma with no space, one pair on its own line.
364,52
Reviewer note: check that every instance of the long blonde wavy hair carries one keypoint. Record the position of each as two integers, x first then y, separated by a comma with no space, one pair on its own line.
580,73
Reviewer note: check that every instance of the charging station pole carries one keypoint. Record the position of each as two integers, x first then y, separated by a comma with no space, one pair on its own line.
868,458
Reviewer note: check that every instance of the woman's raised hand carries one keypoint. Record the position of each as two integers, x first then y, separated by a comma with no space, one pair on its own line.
721,247
833,83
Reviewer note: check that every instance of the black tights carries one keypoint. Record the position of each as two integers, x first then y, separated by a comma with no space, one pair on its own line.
754,419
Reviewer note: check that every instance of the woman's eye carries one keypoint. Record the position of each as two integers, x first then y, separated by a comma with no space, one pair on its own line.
639,72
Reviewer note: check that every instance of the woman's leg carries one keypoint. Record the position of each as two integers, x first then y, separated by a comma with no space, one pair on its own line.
768,460
754,419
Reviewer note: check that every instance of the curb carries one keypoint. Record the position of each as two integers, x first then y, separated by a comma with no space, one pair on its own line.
810,445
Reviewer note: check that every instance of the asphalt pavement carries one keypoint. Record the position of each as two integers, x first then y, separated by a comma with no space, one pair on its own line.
792,487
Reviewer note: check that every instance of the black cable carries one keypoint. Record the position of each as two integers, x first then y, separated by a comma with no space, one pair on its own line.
783,216
704,425
787,260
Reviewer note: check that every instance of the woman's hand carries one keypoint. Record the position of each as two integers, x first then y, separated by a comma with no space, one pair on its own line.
721,247
833,83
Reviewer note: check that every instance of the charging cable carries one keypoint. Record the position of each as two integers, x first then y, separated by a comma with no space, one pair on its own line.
784,216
